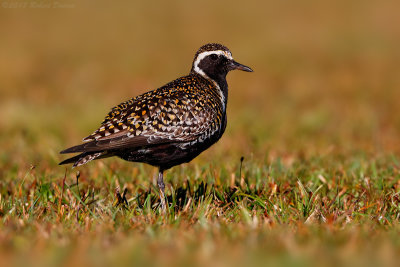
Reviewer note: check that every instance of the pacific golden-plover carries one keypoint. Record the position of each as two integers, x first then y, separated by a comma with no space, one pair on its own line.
170,125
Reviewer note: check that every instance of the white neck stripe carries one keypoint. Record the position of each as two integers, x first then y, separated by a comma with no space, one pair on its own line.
196,68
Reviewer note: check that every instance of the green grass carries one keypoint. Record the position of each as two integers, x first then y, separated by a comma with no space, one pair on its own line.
272,213
317,125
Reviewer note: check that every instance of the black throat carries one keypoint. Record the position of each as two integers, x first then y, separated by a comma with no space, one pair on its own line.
223,84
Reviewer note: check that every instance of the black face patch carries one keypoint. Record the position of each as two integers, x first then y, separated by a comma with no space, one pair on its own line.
214,66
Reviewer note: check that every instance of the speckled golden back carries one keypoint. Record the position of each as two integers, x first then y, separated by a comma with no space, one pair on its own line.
185,109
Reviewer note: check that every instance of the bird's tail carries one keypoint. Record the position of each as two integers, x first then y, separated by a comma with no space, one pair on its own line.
84,158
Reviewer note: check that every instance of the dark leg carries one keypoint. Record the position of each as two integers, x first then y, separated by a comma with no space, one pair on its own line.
161,187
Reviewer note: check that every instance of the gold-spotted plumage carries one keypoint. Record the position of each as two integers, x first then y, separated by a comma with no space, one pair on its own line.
170,125
167,113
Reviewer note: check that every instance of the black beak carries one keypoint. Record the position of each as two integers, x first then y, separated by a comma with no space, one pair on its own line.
233,65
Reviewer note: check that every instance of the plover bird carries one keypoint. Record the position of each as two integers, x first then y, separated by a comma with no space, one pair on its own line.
170,125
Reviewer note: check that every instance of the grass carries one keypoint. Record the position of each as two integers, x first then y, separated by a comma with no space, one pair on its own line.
274,213
307,172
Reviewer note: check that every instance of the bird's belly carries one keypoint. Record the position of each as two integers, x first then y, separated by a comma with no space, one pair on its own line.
168,155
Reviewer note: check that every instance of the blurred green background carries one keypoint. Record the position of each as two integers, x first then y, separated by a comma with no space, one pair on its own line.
326,73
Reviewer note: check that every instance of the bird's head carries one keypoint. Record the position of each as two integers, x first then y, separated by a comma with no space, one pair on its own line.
214,61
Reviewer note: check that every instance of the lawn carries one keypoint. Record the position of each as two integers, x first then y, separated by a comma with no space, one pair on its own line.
307,172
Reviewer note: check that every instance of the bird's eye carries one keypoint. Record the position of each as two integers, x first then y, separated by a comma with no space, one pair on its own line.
214,57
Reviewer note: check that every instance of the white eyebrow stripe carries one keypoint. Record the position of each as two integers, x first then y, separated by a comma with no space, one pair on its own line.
207,53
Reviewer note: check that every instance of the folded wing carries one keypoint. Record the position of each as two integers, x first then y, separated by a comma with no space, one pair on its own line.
157,117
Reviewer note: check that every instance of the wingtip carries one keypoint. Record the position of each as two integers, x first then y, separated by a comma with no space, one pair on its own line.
67,161
74,149
69,150
74,160
63,162
64,151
